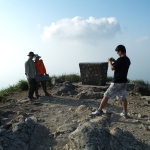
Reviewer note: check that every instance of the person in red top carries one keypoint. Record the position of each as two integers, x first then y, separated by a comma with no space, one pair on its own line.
40,70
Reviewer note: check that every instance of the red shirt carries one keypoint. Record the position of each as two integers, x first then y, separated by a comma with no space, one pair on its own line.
40,68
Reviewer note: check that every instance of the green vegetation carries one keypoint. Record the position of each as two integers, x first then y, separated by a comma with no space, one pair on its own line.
70,77
22,85
109,79
140,81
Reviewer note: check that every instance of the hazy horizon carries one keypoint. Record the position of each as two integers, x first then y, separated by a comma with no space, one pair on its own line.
69,32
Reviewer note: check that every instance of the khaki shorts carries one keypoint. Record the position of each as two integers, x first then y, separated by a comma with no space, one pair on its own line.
116,90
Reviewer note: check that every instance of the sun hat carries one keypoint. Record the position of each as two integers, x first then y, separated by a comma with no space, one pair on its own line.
36,55
31,54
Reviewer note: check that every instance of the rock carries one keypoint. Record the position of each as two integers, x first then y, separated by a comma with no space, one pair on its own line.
100,88
148,127
81,109
21,113
145,97
130,86
89,136
5,120
139,115
89,94
64,88
7,126
33,118
24,135
10,100
144,127
128,142
67,128
142,89
56,80
2,131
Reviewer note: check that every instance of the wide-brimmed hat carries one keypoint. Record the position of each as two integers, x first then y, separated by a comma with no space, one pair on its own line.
31,54
36,55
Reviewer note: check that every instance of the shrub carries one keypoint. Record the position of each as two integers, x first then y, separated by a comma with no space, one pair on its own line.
109,79
22,85
140,81
1,98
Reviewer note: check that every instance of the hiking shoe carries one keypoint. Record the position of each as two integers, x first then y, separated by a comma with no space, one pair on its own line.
30,100
33,98
47,94
38,96
123,114
97,112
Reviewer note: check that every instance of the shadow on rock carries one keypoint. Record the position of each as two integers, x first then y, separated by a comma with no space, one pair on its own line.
25,135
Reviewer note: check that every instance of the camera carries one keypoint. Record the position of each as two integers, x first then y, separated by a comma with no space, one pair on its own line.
111,58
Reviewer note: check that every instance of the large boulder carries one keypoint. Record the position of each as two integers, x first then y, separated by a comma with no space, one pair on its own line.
23,135
90,136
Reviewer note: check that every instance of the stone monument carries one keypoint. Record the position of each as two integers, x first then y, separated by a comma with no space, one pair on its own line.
94,73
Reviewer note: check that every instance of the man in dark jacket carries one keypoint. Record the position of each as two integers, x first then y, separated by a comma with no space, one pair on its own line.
30,73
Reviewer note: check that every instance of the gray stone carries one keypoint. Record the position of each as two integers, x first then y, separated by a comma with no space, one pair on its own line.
56,80
5,120
81,109
89,94
64,87
2,131
130,86
67,128
21,113
90,136
142,89
23,136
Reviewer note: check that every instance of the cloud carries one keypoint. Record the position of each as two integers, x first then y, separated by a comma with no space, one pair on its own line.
80,29
142,39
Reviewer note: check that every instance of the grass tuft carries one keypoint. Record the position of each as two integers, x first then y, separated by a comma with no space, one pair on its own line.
70,77
22,85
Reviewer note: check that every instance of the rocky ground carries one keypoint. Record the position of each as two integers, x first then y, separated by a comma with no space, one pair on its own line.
63,121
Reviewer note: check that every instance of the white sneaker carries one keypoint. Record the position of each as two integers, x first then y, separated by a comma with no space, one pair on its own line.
97,112
124,115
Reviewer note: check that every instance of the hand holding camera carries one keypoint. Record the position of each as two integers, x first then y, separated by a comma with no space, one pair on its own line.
111,59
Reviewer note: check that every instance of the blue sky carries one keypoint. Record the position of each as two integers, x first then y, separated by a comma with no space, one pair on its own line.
67,32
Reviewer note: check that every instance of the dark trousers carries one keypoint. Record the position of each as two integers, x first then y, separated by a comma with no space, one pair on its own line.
43,84
32,87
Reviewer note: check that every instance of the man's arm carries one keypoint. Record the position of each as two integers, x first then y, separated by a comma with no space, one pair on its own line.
110,60
27,70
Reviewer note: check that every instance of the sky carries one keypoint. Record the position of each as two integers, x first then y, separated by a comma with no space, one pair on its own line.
67,32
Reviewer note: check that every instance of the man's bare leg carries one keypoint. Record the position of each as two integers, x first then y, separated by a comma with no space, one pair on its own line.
124,105
103,103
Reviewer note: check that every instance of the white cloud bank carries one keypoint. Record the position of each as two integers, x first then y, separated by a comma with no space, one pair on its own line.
142,39
79,29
